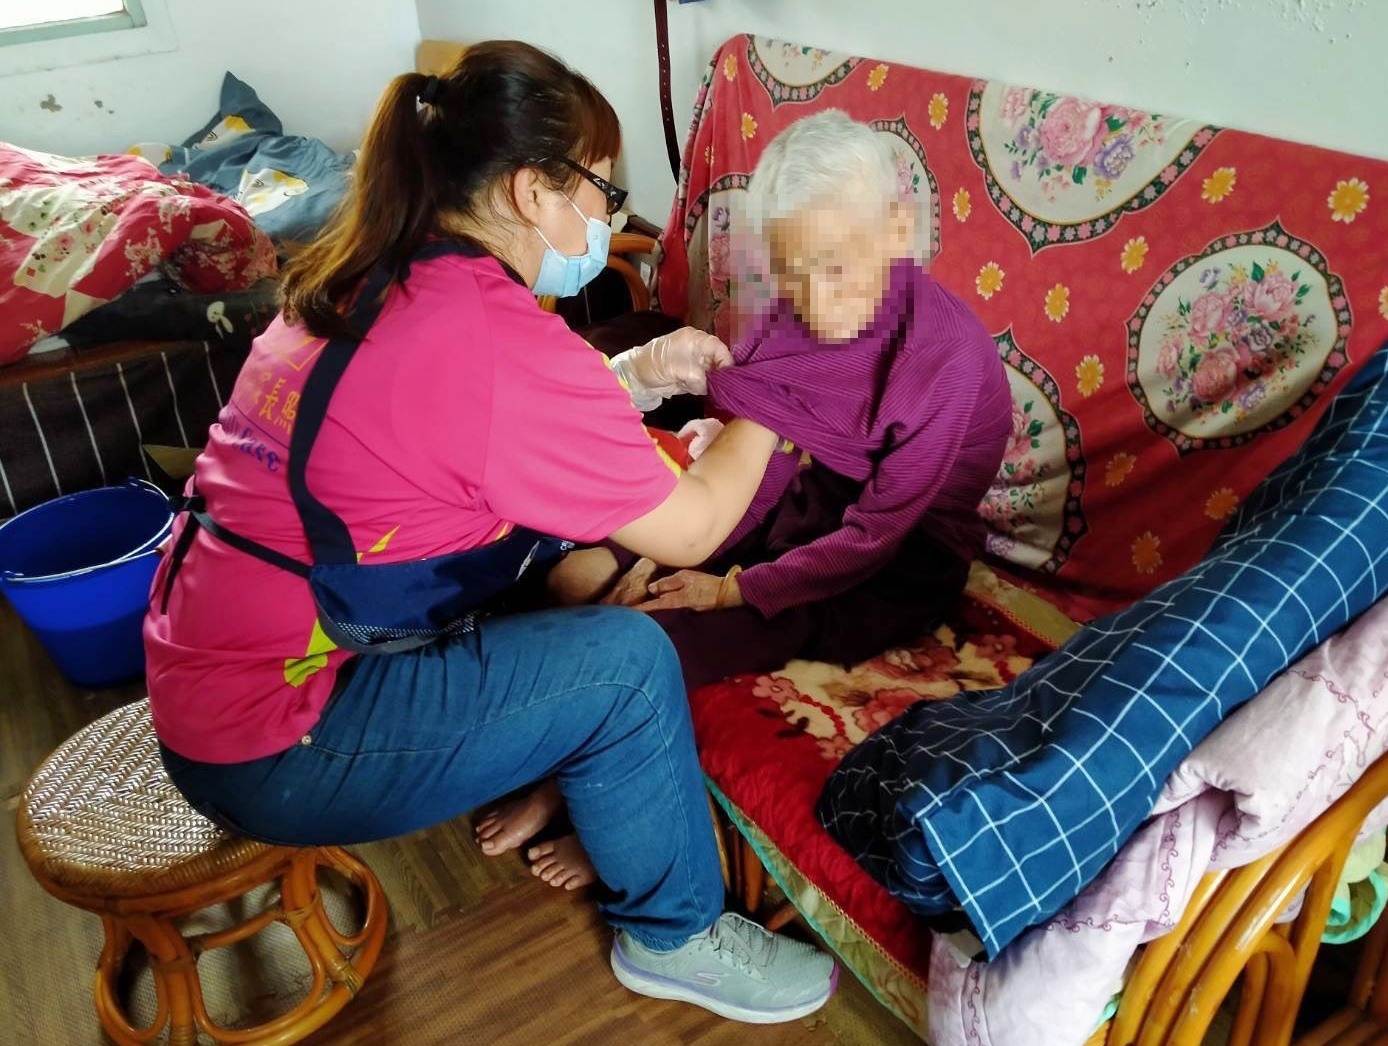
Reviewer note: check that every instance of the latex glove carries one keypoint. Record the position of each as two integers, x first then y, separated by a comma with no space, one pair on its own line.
698,434
694,590
670,365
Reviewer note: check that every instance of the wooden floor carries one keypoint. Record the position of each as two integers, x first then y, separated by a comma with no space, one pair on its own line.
480,953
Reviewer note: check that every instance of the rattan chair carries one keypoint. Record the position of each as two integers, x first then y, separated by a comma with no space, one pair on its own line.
1229,936
103,828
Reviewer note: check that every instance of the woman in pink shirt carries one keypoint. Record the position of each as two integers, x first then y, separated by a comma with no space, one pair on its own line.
330,660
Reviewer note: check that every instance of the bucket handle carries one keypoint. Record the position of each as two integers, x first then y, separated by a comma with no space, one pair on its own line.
149,546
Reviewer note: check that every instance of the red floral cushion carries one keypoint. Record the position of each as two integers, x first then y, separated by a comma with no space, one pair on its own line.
769,743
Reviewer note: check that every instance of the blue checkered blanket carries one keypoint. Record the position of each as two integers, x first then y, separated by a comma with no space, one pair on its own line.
1006,803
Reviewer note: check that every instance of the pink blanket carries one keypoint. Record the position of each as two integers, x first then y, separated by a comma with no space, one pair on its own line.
1228,804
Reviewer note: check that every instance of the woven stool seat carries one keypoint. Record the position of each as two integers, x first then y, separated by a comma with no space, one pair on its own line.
103,828
101,816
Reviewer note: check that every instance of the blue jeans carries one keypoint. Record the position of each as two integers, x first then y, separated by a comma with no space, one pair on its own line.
591,696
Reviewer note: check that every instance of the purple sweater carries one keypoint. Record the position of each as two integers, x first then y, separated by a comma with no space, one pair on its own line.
917,408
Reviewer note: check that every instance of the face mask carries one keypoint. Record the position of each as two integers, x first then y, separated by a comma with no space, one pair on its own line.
564,275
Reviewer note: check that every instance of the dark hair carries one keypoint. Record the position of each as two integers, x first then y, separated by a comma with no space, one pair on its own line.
435,148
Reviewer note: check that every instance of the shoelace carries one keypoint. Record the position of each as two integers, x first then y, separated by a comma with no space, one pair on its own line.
732,936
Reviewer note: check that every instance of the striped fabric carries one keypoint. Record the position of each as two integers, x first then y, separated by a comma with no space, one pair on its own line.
72,421
1007,804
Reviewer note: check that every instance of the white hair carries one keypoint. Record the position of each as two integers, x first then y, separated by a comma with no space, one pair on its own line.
824,158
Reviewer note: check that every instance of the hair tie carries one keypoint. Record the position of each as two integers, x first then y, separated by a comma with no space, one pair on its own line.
429,91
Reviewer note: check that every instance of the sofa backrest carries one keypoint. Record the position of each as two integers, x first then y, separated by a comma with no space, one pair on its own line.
1176,302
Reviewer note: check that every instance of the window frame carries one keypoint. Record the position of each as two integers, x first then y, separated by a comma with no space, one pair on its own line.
131,16
40,48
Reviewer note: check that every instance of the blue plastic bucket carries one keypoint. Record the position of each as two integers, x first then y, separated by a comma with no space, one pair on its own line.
78,569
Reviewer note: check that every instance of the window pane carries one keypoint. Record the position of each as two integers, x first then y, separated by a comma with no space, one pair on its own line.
17,13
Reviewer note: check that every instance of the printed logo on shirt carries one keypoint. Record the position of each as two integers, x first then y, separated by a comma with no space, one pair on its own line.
259,419
245,437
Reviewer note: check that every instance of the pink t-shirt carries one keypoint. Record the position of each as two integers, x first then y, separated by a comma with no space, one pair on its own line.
466,411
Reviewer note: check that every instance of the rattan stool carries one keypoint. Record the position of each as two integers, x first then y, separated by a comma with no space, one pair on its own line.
103,828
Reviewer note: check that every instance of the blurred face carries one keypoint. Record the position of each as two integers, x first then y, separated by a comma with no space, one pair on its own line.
833,261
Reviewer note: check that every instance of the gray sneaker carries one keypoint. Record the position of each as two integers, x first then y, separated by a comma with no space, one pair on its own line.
735,968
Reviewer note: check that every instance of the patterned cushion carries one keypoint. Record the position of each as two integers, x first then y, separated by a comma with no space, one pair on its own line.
769,743
1176,303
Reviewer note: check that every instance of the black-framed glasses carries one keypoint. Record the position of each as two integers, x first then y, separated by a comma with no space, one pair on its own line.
615,196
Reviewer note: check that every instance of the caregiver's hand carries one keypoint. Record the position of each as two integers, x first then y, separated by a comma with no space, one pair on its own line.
634,587
697,435
693,590
671,365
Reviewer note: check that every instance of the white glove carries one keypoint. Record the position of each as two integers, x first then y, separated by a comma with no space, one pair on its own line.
673,364
699,433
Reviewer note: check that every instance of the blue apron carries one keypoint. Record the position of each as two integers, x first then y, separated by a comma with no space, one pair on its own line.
374,608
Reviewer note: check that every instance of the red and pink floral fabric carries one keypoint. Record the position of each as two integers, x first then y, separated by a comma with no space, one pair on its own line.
75,233
1176,303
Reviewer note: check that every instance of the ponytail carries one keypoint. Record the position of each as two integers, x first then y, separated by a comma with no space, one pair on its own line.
435,148
384,219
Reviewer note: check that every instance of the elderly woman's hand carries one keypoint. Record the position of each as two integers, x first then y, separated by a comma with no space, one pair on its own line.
694,590
670,365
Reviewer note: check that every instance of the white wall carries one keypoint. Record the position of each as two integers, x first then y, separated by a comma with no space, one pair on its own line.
1309,70
319,64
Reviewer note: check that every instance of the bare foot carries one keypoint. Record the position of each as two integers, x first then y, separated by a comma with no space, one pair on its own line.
634,588
509,825
562,863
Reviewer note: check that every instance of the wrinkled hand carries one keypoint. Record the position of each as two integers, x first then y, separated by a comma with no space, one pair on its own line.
693,590
670,365
634,586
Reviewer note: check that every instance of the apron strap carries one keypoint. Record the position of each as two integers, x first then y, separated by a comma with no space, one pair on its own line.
180,550
198,513
329,539
198,517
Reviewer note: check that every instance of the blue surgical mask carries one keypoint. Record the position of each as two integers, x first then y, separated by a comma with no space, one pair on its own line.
563,275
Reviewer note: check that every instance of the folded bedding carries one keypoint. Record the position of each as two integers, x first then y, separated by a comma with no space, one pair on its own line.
289,184
161,310
76,233
1006,804
1225,806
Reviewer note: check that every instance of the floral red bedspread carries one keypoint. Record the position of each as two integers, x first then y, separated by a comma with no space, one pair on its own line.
769,743
1177,303
75,233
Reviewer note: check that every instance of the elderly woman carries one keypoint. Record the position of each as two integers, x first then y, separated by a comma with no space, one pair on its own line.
890,387
893,409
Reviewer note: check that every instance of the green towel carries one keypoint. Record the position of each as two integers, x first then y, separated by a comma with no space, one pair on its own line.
174,462
1109,1011
1362,894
